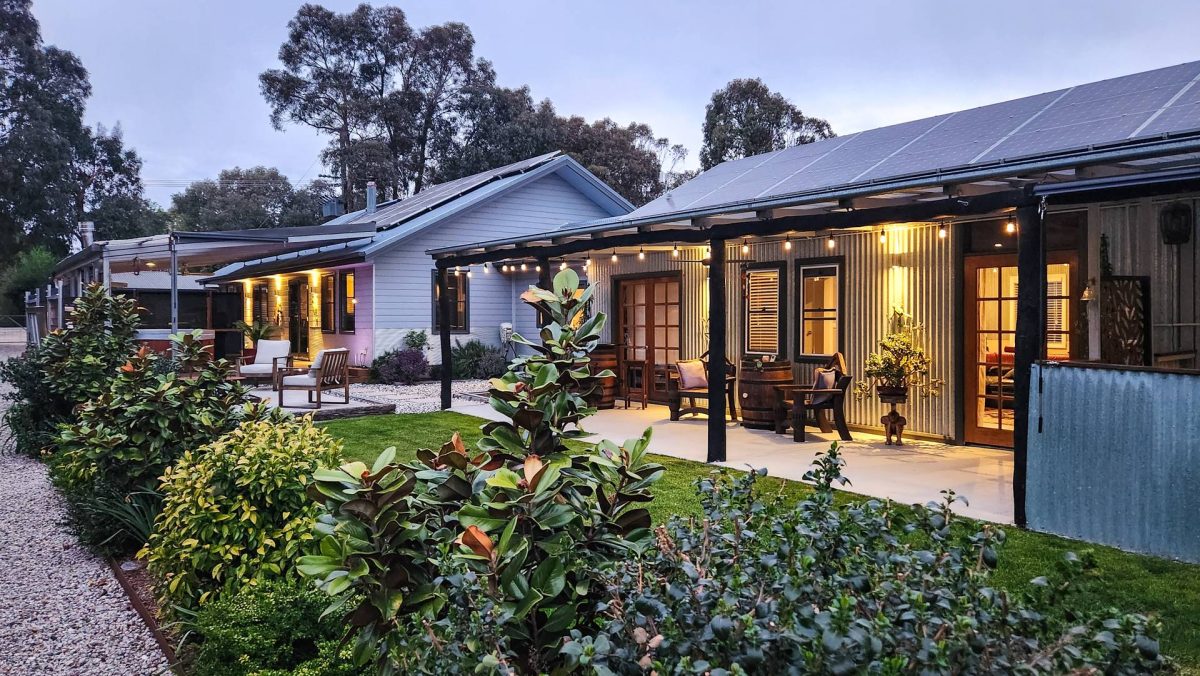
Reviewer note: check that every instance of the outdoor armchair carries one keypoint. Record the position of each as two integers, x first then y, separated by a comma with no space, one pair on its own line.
329,371
270,356
688,381
827,392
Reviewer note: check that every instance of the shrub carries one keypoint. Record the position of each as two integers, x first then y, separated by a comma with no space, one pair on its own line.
417,339
765,587
126,437
490,556
71,366
235,511
405,366
273,627
476,359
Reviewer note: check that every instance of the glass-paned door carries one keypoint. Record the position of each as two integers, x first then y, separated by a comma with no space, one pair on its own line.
991,340
298,316
649,330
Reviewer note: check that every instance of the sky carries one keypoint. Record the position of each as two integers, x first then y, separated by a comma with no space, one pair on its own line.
181,78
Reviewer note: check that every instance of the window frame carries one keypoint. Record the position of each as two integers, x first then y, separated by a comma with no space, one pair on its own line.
328,323
265,290
459,281
780,267
801,264
344,300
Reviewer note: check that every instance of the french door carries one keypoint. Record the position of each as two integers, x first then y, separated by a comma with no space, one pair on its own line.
990,321
648,331
298,316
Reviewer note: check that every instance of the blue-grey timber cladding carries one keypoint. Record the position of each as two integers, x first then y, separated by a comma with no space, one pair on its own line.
1114,458
403,282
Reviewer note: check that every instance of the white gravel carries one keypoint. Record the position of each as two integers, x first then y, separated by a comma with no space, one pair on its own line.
61,609
418,398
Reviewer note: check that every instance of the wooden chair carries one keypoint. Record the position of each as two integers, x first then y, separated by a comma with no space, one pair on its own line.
269,357
793,402
633,382
676,394
330,370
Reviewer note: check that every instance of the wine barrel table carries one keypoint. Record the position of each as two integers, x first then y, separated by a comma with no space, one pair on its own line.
604,357
756,391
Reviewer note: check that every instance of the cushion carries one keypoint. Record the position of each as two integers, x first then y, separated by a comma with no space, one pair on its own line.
255,369
825,380
307,379
692,374
268,350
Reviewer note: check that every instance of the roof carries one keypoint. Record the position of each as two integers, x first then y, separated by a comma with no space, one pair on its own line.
1154,113
397,220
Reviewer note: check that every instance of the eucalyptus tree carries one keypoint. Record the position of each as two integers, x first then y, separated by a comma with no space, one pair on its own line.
746,118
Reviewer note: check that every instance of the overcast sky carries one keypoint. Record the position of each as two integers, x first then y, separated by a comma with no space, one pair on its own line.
182,77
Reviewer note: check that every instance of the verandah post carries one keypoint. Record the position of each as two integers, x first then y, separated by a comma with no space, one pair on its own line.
1031,338
544,282
716,352
443,296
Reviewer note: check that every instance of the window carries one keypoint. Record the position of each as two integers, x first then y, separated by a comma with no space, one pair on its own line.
458,288
763,317
327,304
347,301
259,309
820,297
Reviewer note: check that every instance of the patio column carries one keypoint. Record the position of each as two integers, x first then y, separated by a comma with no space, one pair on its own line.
443,309
174,283
1031,338
716,352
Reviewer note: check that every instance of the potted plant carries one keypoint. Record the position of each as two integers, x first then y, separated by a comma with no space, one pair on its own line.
900,364
259,330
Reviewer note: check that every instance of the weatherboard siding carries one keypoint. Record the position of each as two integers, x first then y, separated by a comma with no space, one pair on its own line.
404,277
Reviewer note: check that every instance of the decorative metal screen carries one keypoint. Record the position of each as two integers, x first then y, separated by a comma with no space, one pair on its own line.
1124,320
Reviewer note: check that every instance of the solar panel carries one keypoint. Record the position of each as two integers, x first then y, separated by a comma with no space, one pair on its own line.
1143,105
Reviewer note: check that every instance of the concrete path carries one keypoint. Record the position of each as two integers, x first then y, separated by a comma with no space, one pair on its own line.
913,473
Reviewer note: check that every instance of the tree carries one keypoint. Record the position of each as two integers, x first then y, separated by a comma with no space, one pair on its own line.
29,270
109,191
746,118
258,197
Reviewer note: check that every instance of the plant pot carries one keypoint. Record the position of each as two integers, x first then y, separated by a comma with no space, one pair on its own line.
892,392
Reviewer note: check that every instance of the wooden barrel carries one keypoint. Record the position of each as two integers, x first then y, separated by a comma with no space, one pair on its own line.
756,391
604,357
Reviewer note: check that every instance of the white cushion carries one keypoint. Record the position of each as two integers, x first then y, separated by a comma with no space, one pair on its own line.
300,379
692,374
268,350
255,369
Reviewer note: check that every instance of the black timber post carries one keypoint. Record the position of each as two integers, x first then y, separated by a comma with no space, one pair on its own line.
716,352
443,309
1031,339
544,282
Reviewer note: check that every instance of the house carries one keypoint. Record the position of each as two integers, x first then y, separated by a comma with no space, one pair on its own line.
366,293
1047,246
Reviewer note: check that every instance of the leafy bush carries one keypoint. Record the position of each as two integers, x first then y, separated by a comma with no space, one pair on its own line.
127,436
761,586
29,270
235,511
272,627
405,366
510,539
417,339
476,359
70,367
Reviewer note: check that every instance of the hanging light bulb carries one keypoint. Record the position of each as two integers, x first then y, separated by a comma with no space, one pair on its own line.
641,254
456,270
942,231
745,246
562,265
708,252
537,268
524,267
883,237
675,252
504,267
1010,227
486,270
830,243
468,273
614,256
587,262
787,243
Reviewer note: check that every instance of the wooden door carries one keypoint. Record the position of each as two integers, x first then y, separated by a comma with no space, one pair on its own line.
990,324
648,330
298,316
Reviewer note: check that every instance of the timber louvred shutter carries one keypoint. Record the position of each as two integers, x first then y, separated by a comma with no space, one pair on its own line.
762,311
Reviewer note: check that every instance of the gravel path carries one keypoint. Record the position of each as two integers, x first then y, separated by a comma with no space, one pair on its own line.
61,609
420,398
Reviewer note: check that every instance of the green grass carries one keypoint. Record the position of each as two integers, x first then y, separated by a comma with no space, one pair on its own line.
1166,589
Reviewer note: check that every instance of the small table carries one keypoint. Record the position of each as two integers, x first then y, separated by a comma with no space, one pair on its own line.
893,422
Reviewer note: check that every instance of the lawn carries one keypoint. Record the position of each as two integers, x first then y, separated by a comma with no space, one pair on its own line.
1166,589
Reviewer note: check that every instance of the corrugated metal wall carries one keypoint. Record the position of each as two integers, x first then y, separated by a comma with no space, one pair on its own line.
1116,459
914,269
1136,248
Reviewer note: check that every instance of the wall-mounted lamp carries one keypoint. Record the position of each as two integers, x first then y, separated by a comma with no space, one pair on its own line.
1089,291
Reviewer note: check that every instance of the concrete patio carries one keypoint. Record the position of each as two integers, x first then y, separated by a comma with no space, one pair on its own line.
913,473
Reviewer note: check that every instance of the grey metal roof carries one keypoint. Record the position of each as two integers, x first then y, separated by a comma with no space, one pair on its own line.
1140,106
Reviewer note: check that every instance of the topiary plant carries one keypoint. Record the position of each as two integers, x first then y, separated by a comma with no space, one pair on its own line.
513,534
235,511
404,367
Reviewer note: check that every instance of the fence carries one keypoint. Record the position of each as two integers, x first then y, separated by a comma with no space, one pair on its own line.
1114,457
